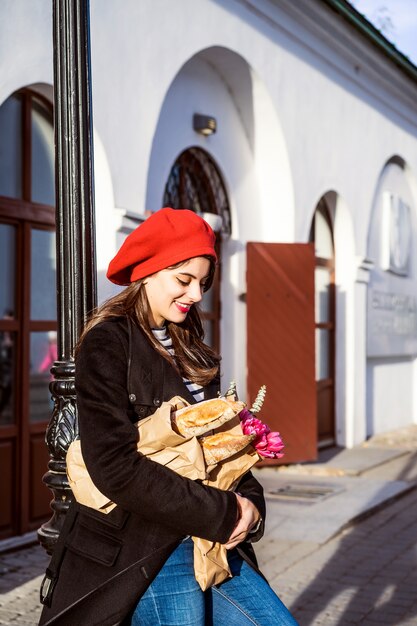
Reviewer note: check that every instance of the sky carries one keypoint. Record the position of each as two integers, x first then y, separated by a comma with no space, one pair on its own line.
397,19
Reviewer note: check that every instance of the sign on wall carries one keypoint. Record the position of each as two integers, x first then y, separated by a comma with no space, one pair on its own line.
392,294
392,323
396,234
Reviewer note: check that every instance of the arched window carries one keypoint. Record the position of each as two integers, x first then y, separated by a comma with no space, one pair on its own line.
195,183
322,236
27,306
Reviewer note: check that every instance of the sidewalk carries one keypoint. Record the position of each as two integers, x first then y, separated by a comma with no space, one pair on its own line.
314,501
20,575
340,545
366,575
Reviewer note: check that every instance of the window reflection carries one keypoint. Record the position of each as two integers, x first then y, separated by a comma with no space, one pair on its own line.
11,148
42,142
7,352
43,354
322,354
208,332
7,267
43,268
207,303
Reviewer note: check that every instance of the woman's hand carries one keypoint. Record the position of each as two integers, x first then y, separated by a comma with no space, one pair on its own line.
248,518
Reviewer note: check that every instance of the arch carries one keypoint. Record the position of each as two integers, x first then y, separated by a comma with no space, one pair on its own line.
28,151
43,89
195,183
107,220
248,146
392,342
395,177
28,301
250,151
321,235
345,265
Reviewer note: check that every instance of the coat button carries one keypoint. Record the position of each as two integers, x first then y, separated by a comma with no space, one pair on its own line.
132,397
157,402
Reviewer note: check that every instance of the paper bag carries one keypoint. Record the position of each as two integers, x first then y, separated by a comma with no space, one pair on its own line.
157,441
210,558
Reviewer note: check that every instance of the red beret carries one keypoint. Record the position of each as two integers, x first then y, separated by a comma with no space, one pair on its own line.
167,237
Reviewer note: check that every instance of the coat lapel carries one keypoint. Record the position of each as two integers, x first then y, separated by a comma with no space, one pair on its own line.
149,373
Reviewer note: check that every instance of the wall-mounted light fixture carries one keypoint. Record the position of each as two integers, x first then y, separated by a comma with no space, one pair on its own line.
204,124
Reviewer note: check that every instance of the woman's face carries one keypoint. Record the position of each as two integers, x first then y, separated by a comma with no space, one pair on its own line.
172,292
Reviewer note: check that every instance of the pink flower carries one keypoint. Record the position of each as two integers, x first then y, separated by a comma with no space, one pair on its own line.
261,444
245,414
253,426
268,444
275,444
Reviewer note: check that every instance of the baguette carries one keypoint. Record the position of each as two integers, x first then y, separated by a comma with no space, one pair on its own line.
196,419
221,446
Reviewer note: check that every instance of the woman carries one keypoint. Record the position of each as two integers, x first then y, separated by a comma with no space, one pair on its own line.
141,348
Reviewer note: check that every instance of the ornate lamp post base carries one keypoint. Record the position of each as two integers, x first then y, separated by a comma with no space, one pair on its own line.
62,430
76,271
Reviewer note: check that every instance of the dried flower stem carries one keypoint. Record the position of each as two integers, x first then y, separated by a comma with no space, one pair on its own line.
259,400
231,391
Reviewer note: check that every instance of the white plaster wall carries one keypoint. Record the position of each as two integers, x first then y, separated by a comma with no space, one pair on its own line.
338,125
107,219
25,45
339,111
331,123
338,122
391,394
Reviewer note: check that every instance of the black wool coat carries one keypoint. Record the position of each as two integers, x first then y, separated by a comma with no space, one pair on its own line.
103,564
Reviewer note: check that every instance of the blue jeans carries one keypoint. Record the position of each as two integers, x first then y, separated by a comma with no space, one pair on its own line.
175,599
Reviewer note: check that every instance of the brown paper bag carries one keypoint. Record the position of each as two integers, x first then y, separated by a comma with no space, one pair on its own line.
157,441
83,488
210,558
183,455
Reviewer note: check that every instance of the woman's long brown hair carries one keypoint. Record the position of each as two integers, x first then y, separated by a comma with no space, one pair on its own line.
194,359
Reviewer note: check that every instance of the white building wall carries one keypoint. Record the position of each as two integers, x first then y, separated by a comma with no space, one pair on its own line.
391,395
303,105
26,45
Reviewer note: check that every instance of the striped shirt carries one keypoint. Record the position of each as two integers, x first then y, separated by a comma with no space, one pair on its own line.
161,334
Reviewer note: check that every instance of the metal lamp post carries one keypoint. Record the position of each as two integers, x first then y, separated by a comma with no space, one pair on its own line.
76,272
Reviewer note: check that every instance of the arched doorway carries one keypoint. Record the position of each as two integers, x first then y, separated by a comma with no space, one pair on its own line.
27,306
195,183
321,235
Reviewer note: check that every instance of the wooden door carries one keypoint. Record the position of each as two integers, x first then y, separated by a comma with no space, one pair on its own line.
27,308
280,342
27,351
